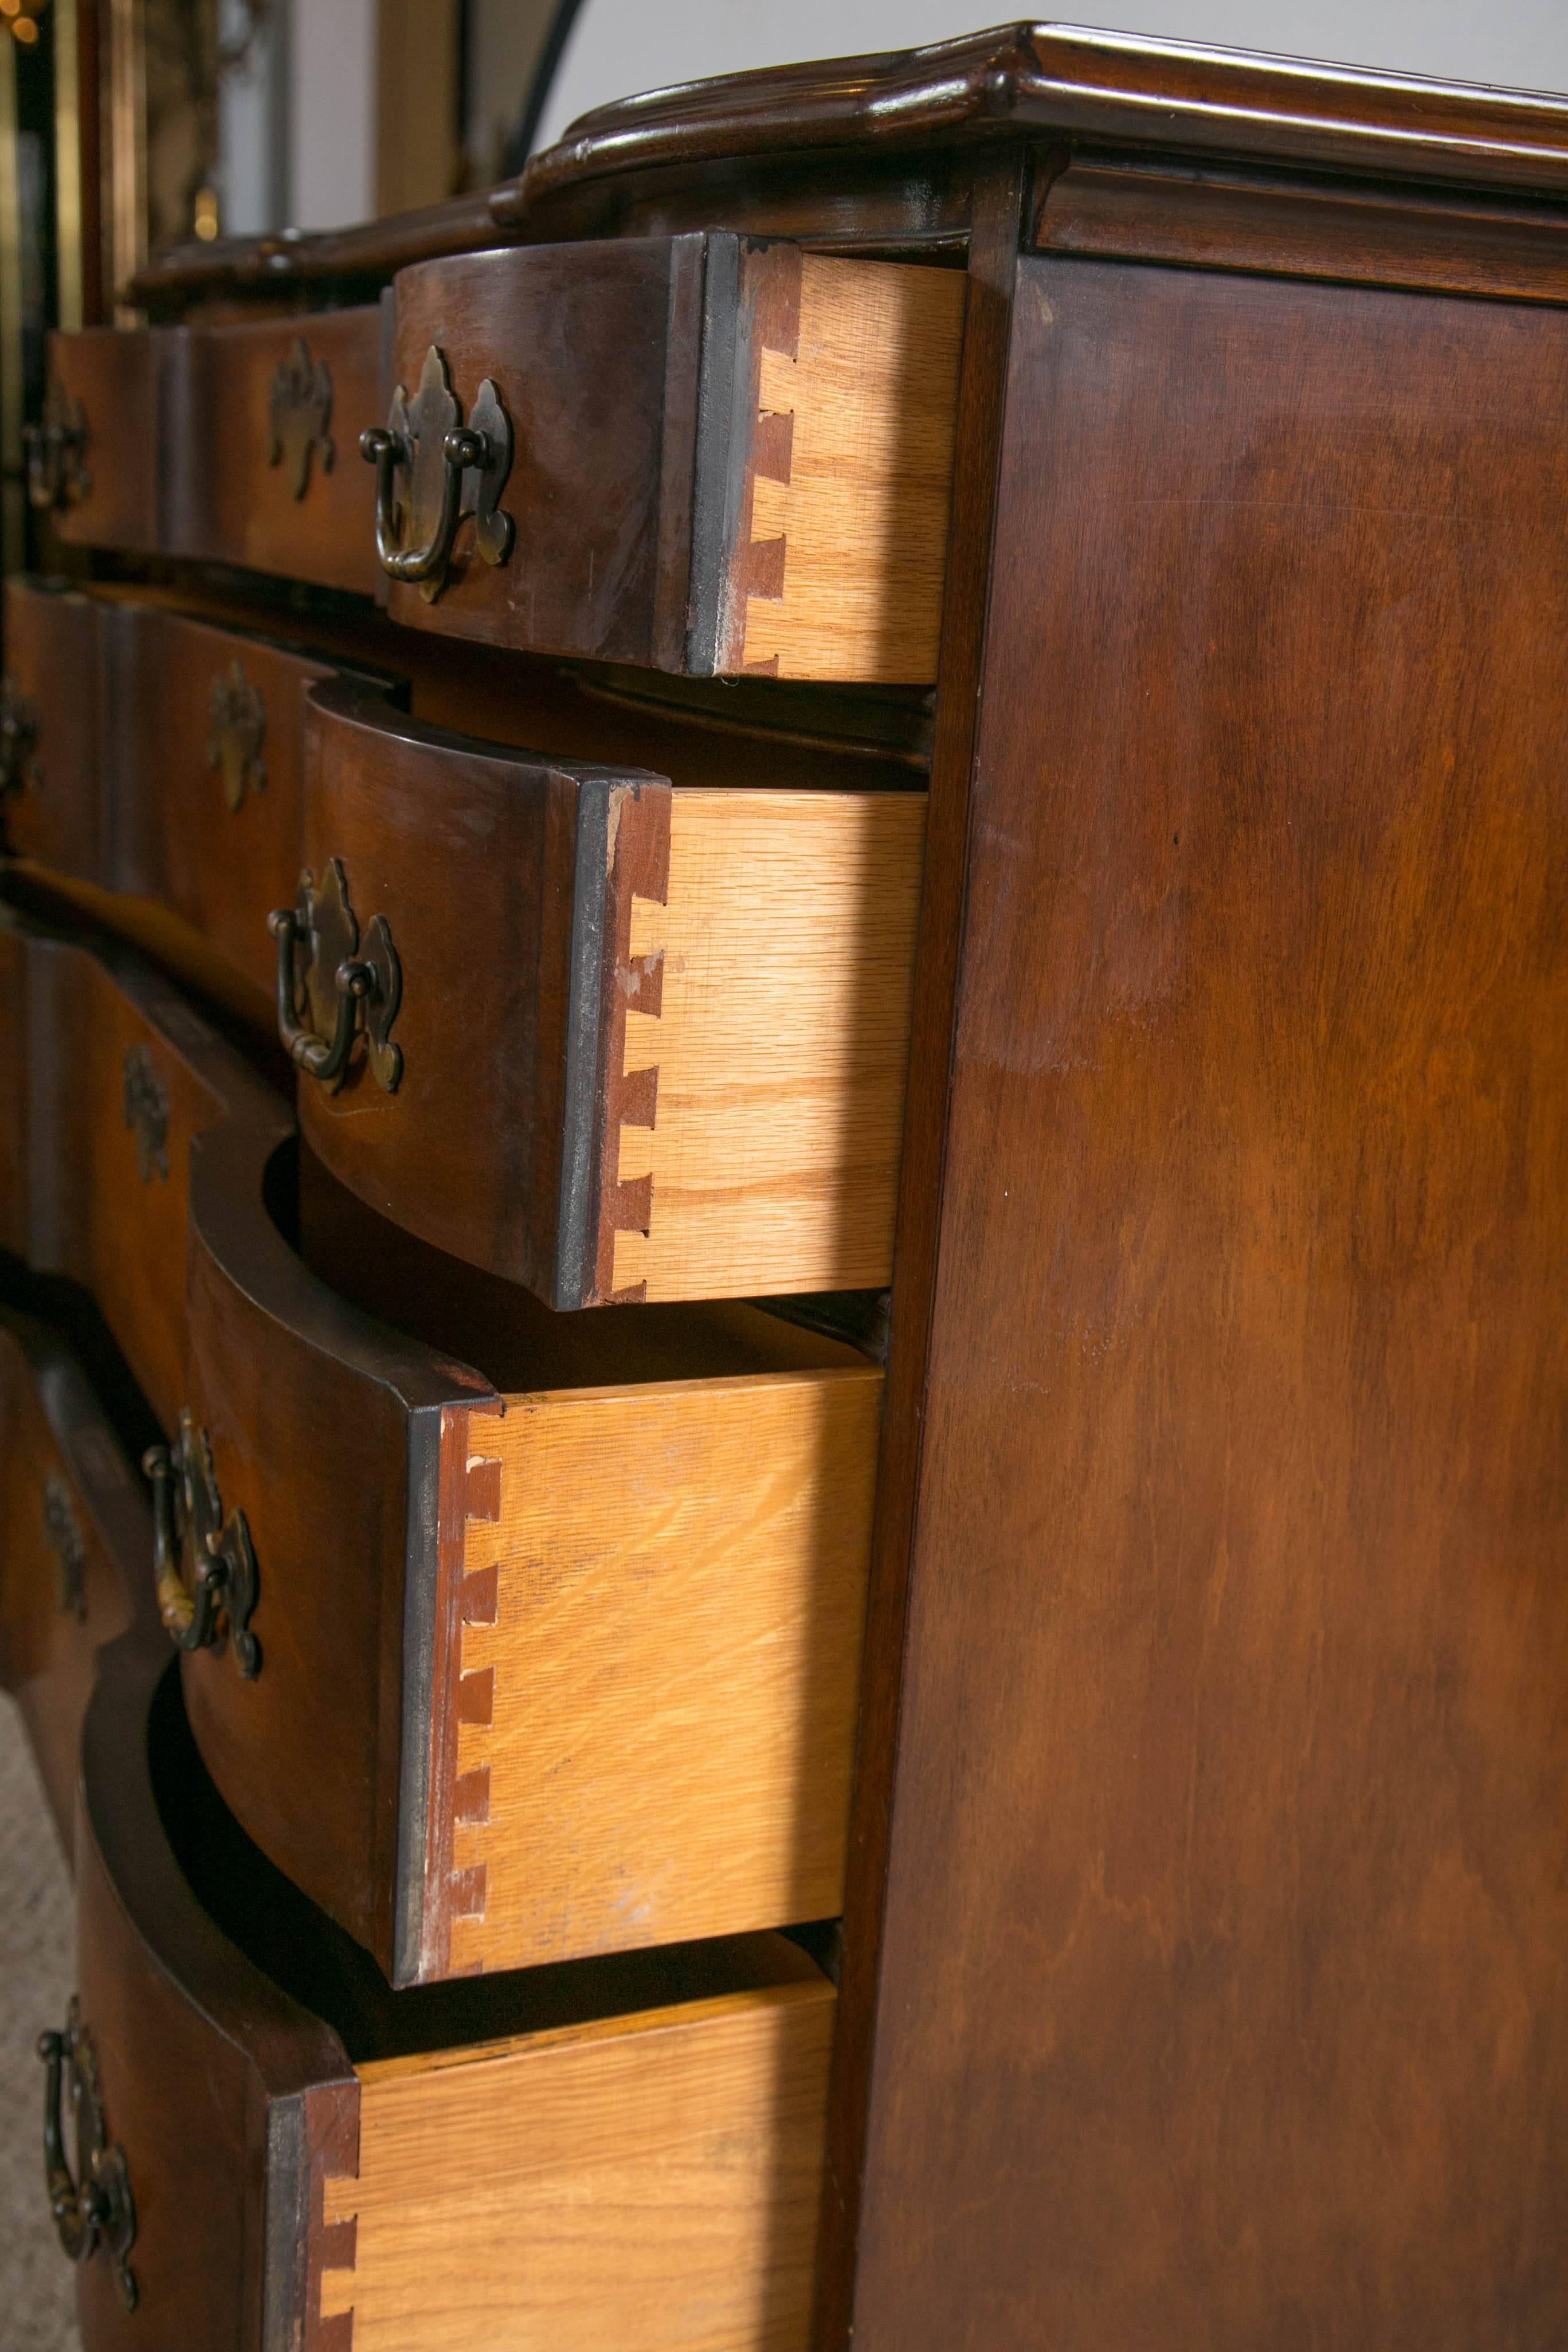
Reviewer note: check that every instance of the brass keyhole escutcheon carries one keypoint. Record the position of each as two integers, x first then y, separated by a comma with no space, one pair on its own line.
147,1114
56,450
237,716
19,769
298,411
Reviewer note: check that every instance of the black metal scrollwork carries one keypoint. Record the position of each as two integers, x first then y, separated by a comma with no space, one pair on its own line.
94,2212
455,470
204,1563
56,448
237,717
298,411
347,988
19,769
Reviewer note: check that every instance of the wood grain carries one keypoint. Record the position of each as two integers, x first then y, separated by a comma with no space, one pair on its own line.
843,543
61,1594
232,504
125,382
993,262
660,1659
172,834
651,2186
53,653
767,1123
1226,1924
1206,217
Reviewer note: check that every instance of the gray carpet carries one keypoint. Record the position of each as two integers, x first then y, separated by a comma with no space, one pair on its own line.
37,2282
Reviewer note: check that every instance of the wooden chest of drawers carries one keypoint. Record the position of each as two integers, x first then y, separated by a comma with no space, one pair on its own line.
852,1396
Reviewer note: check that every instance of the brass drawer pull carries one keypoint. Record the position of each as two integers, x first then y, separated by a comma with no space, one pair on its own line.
96,2210
318,952
454,470
204,1563
56,448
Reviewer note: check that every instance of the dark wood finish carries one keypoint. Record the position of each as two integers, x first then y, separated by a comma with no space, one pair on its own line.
130,793
228,2018
872,143
1244,2012
53,653
237,506
350,261
214,2081
476,857
596,352
335,1433
173,835
1110,88
325,1429
75,1517
1199,217
86,1208
123,381
999,201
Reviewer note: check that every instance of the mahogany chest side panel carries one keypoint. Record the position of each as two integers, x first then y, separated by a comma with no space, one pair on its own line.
1223,1986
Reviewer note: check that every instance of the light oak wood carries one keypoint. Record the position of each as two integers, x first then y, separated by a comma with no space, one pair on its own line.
852,473
787,947
649,2185
656,1715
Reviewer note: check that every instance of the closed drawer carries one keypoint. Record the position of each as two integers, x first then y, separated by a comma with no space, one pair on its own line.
158,756
52,802
707,455
272,477
111,1074
647,1042
75,1520
98,464
584,1674
234,443
626,2153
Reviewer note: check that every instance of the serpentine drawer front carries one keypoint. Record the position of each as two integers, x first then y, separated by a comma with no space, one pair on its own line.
233,444
76,1525
557,1657
616,1040
52,802
697,453
93,462
109,1074
624,2153
155,755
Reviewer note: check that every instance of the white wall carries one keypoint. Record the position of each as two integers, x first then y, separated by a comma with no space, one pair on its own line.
331,112
621,46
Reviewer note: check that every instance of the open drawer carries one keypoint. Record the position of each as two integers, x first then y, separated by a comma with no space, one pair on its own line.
282,2152
699,453
619,1039
553,1658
